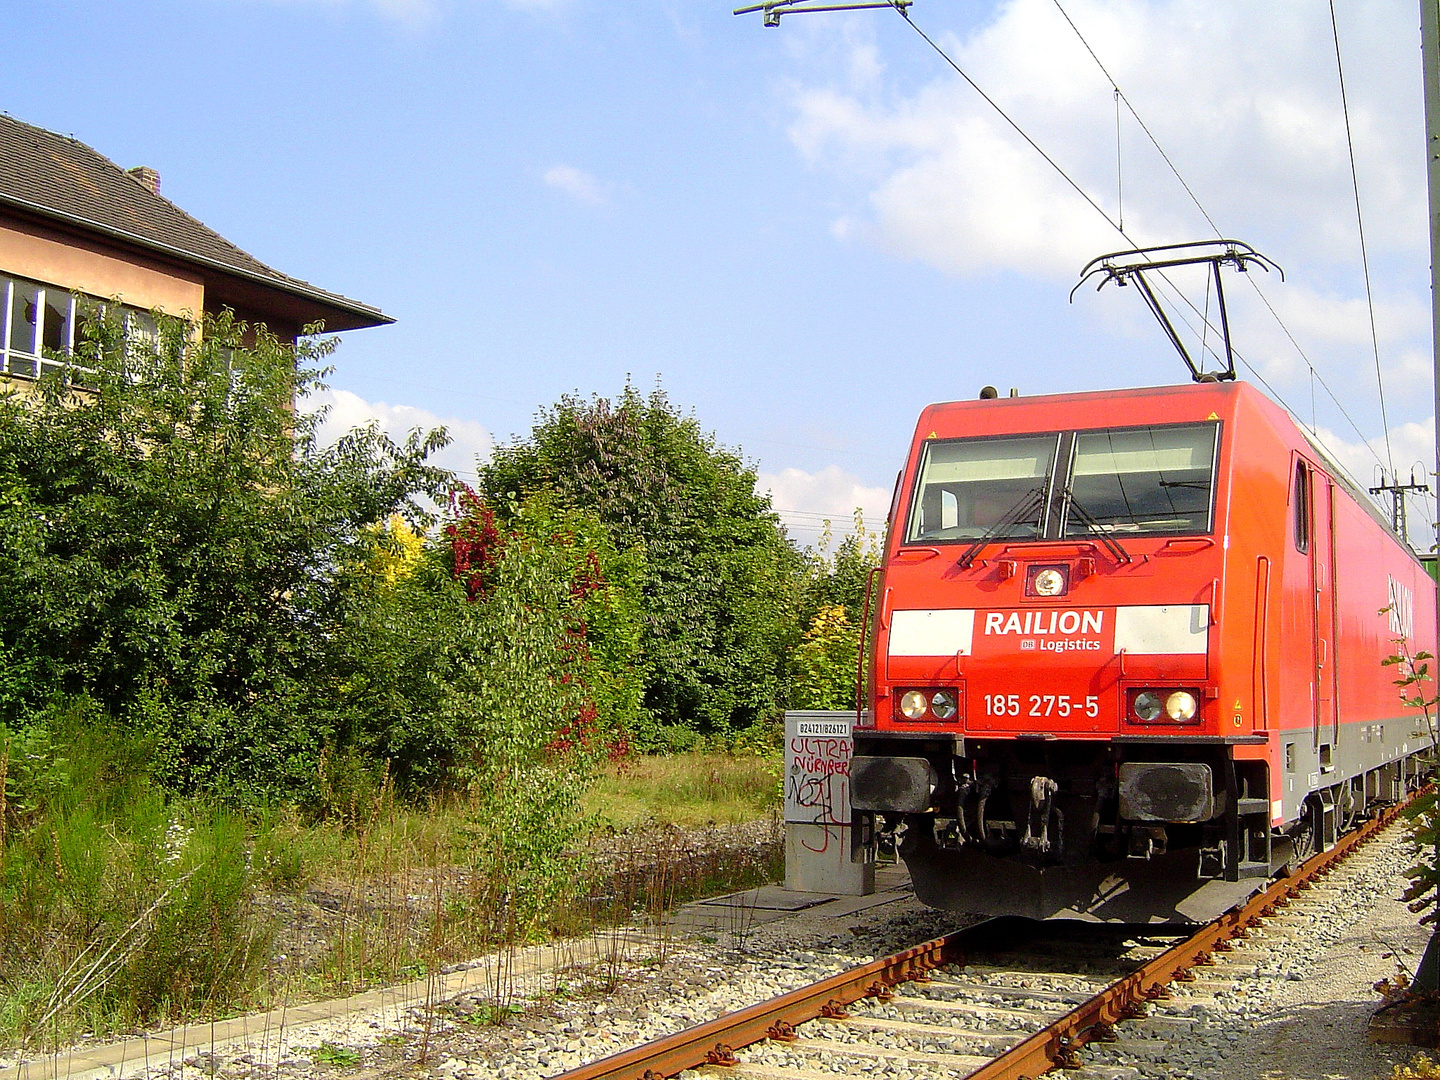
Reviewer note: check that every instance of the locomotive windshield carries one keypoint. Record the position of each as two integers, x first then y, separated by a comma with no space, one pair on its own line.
970,488
1141,480
1120,482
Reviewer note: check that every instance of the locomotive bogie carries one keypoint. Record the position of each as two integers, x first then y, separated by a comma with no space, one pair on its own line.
1131,667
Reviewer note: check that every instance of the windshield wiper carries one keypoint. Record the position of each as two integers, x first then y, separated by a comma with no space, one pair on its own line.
1096,528
1029,503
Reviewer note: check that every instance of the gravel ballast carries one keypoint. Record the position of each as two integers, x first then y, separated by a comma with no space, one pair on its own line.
1299,1006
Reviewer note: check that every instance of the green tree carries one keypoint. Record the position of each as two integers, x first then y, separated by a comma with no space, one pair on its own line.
429,665
718,577
832,604
838,578
170,533
522,698
824,664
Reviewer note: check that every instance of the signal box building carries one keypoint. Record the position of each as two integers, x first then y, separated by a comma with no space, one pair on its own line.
73,222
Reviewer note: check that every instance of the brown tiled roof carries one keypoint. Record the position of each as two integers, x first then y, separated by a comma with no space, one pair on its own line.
60,177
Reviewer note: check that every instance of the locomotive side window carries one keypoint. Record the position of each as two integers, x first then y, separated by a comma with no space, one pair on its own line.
969,488
1302,507
1136,481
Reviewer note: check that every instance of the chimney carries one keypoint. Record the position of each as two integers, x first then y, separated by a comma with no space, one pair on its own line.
146,177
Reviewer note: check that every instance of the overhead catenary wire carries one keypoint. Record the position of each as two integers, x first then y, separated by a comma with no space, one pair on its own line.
1120,97
1174,169
1360,226
900,6
1074,184
1119,164
1315,375
1118,225
1112,222
1008,119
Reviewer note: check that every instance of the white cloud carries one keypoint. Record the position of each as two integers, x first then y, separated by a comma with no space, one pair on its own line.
469,440
1333,327
1244,99
576,183
1332,318
1412,446
804,500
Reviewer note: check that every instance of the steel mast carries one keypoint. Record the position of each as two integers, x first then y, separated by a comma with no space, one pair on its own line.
1427,976
1430,66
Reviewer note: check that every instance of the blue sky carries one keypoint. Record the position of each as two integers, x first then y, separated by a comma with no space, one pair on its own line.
807,233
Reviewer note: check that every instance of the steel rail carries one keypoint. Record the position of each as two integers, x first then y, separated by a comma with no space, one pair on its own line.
1126,999
714,1042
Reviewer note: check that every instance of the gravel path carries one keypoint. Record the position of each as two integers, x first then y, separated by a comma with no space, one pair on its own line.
1299,1009
1301,1005
1314,1024
700,980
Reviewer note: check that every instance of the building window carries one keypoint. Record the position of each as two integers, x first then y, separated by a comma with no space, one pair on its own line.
140,330
57,320
37,319
23,310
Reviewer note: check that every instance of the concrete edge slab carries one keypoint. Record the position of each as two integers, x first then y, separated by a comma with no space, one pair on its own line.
849,905
272,1028
115,1061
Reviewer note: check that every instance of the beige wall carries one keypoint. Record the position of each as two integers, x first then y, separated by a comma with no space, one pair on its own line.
24,388
55,258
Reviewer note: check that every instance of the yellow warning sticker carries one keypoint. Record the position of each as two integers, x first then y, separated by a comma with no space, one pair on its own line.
931,435
1212,416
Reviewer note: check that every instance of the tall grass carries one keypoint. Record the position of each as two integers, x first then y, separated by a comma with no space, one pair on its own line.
117,905
122,906
687,789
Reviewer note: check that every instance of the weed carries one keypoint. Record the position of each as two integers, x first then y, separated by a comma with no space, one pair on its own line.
1421,1067
279,854
494,1015
330,1054
120,905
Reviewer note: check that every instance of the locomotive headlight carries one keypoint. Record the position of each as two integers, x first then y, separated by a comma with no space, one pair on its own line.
914,705
943,705
1180,706
1049,582
1148,706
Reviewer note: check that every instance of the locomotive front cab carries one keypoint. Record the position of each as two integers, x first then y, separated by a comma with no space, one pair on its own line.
1046,725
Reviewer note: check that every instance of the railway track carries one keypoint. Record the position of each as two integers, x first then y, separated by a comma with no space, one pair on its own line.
1005,999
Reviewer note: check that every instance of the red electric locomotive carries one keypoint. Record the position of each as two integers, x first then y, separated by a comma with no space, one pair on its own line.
1127,655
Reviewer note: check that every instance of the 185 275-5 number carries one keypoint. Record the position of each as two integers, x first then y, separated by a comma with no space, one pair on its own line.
1061,705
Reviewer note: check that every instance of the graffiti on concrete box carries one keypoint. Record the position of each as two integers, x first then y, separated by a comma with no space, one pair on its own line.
817,771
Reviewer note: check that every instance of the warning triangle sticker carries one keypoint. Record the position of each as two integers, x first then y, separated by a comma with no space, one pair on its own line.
931,435
1237,704
1212,416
